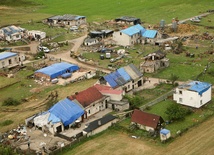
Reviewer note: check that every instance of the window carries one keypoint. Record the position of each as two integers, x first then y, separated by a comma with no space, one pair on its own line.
201,102
2,63
89,111
128,86
120,33
180,92
180,100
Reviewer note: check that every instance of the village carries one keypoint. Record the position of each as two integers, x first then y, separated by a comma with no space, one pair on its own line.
120,57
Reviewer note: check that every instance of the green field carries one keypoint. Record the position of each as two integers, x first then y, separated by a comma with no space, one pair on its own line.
150,11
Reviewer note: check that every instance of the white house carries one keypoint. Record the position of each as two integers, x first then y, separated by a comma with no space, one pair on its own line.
11,33
92,101
194,94
90,41
11,59
37,34
129,36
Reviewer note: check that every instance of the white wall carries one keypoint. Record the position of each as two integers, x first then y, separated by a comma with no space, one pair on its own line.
5,62
191,98
121,39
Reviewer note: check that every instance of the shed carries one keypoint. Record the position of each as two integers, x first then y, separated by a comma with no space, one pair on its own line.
99,125
164,134
56,70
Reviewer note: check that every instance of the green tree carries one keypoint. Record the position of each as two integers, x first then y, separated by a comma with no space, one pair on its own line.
134,101
177,112
173,78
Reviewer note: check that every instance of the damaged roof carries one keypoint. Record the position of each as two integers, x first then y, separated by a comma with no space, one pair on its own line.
66,17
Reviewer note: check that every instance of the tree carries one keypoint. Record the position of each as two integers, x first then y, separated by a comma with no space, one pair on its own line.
173,78
177,112
134,101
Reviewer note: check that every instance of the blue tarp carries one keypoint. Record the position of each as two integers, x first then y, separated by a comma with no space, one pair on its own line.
53,118
67,111
5,55
199,87
124,74
164,131
111,81
58,69
149,33
115,79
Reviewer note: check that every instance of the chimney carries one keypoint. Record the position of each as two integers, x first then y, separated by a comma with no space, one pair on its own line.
99,122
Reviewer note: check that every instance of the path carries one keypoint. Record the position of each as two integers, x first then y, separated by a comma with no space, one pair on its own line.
187,19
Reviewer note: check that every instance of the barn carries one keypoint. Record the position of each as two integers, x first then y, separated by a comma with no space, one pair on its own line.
55,71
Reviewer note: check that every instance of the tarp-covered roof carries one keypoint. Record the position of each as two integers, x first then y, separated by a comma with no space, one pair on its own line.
115,79
67,111
133,30
149,34
5,55
124,74
58,69
164,131
199,87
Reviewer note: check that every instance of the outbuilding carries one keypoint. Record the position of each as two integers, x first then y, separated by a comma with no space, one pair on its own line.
55,71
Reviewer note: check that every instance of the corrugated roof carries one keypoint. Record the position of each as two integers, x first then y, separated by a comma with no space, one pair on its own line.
107,90
88,96
133,30
124,74
146,119
58,69
67,111
133,72
111,81
5,55
149,33
100,122
66,17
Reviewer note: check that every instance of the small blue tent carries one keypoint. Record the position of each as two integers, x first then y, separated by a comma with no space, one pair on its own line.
67,111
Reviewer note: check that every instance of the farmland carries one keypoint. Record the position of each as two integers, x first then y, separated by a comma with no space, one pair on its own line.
198,139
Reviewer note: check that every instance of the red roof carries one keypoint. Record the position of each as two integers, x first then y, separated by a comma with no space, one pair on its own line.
107,89
88,96
147,119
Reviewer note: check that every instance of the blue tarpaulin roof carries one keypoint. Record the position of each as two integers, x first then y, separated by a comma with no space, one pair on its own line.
133,30
5,55
164,131
149,34
115,79
199,87
53,118
124,74
58,69
67,111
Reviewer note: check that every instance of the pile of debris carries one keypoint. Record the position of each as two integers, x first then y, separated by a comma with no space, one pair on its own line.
185,28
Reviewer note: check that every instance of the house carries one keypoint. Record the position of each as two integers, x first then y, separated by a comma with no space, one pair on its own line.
11,33
194,94
150,36
154,61
92,100
11,59
161,41
55,71
116,102
134,35
128,20
99,125
125,78
90,41
64,113
37,35
101,34
164,134
146,121
129,36
66,20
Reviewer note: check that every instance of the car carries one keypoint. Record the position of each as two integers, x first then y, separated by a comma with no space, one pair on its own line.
74,28
44,49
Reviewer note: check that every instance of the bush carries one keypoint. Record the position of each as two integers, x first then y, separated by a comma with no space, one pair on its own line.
10,102
6,123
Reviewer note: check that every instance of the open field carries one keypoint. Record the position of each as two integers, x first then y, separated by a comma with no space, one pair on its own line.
197,141
149,11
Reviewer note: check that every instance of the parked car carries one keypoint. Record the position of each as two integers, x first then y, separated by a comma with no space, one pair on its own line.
74,28
44,49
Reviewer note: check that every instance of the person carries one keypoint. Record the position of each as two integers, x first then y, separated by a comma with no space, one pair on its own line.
28,143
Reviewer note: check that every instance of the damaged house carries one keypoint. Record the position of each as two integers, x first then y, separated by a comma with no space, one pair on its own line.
154,61
66,20
128,20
